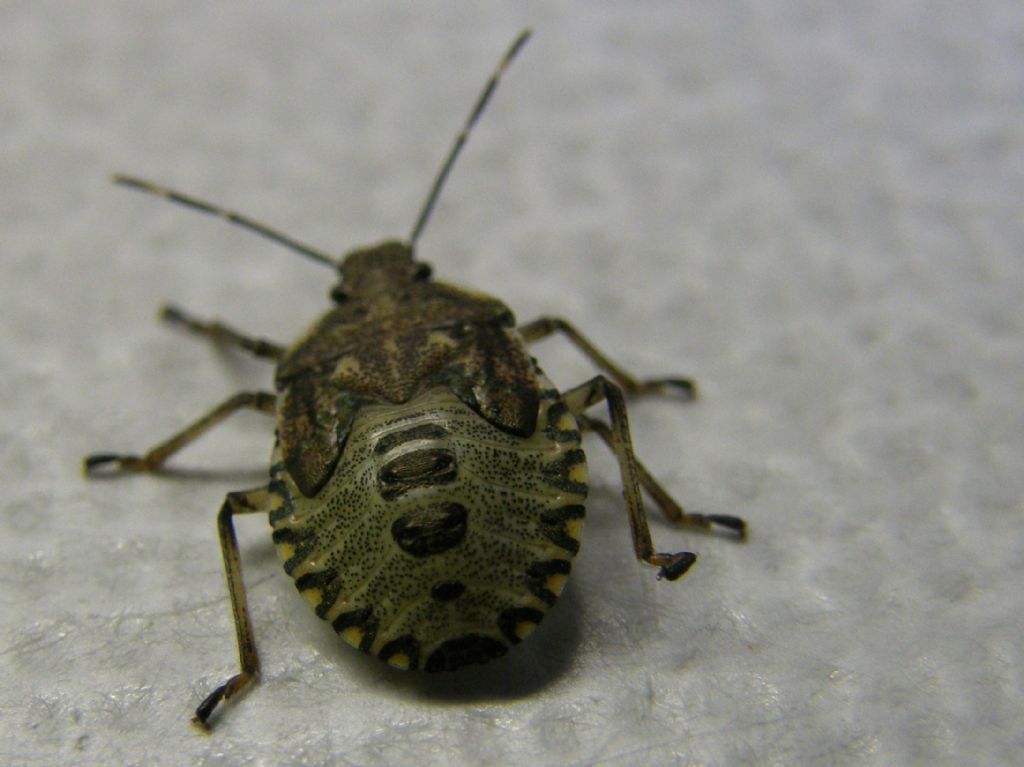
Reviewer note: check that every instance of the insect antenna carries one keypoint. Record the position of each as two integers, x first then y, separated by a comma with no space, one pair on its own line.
228,215
460,140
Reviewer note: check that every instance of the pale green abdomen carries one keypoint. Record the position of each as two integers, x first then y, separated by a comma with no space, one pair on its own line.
439,540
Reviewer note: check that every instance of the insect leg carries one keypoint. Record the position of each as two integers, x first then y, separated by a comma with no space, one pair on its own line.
666,502
154,459
599,389
241,502
222,334
545,326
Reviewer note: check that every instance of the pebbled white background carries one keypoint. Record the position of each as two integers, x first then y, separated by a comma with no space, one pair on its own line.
813,208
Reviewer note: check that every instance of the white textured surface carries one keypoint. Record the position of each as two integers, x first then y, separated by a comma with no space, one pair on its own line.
813,208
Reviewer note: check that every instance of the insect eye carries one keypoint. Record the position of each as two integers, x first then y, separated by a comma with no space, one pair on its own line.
423,272
338,294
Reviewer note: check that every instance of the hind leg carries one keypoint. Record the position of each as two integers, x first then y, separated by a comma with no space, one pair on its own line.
545,326
241,502
601,389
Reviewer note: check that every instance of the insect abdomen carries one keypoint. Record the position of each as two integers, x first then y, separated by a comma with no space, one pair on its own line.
439,540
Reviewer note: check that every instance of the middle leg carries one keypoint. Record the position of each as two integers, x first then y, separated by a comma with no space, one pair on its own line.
243,502
153,460
545,326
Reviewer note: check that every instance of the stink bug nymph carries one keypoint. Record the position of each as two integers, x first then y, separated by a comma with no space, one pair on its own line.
427,481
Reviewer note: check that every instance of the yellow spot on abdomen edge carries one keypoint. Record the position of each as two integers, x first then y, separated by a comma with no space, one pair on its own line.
286,550
578,473
573,528
400,661
555,584
567,423
353,636
524,629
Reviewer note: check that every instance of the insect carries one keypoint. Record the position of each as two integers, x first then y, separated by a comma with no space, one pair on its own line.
427,481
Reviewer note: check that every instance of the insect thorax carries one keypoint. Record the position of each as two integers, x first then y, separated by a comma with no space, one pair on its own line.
439,540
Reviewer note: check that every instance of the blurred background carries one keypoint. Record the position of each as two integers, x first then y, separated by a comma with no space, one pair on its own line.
811,208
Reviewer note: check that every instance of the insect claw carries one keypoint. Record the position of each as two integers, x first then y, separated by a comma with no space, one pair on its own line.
97,459
735,524
231,687
112,463
707,521
206,708
683,388
172,314
675,565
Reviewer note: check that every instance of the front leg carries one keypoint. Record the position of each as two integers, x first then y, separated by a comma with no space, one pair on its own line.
222,334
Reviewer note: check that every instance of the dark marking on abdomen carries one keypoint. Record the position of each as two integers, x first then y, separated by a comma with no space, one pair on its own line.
552,525
327,583
468,649
405,645
430,530
556,413
539,573
416,468
510,620
423,431
302,542
448,591
364,620
557,472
